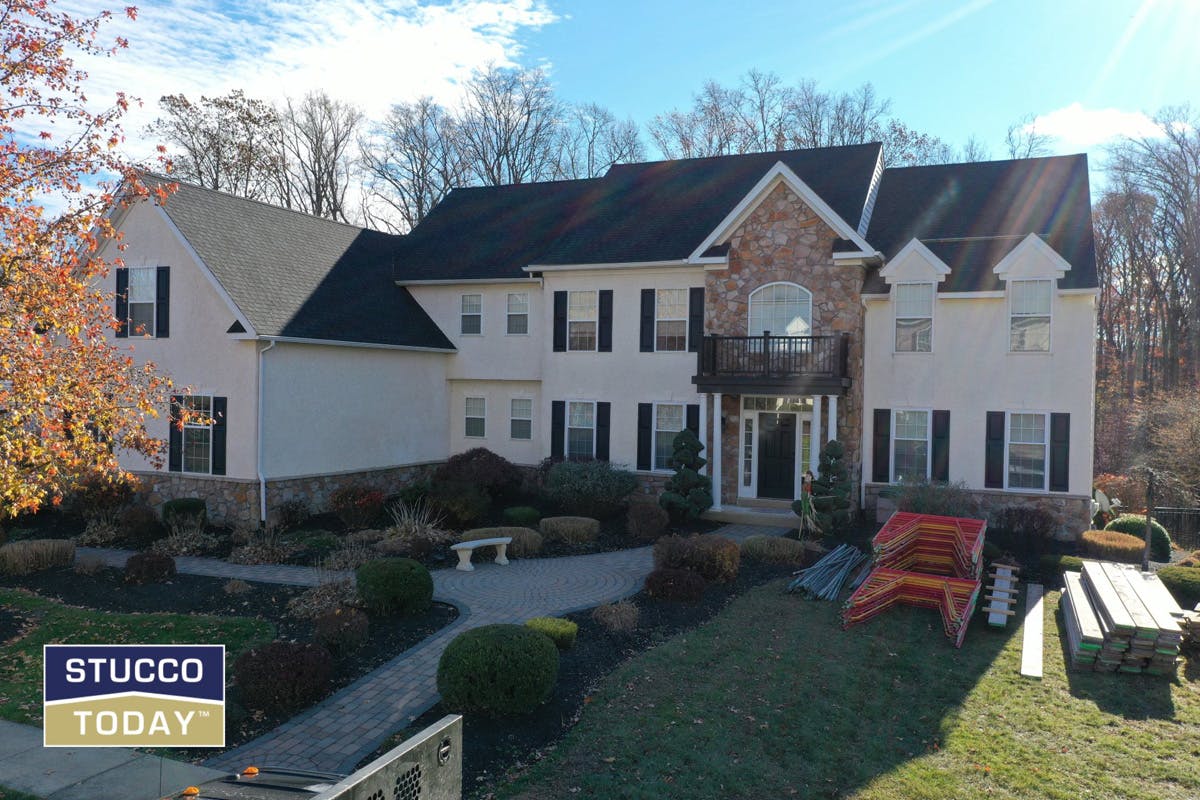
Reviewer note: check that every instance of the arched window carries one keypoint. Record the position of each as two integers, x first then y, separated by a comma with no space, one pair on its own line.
784,309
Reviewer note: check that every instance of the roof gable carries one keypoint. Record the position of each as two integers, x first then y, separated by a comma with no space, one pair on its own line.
914,262
1032,258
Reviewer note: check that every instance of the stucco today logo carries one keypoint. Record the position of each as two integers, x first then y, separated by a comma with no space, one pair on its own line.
167,695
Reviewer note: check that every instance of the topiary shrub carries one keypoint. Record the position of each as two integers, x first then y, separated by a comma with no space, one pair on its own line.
620,617
676,585
1052,566
185,507
521,516
831,488
688,494
142,568
572,530
35,555
526,542
462,504
497,670
1135,525
1183,583
774,550
715,558
1024,528
357,506
934,497
282,676
589,488
560,631
1112,546
645,522
480,467
341,631
394,586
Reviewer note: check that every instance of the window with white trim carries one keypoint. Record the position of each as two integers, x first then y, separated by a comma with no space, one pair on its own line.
670,320
784,309
668,422
142,293
1029,315
472,314
476,417
520,418
582,320
518,314
1026,451
910,446
914,317
581,430
197,432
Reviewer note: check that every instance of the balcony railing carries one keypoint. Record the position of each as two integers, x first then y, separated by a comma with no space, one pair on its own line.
774,360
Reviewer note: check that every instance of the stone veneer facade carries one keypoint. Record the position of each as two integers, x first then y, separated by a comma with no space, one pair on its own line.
1074,511
785,240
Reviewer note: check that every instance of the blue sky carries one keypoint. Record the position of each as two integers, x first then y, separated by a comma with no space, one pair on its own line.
1087,70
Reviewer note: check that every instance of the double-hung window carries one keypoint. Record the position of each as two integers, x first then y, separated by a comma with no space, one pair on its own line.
581,430
914,317
143,291
1029,316
476,417
472,314
668,422
518,314
520,418
1026,451
910,446
582,320
197,432
670,320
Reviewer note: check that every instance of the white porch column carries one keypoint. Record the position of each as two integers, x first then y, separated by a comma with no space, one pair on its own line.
716,452
814,439
832,417
704,437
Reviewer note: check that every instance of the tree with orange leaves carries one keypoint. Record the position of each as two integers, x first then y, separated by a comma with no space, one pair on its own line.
69,399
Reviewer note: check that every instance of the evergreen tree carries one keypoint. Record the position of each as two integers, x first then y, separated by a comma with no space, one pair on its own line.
688,494
831,489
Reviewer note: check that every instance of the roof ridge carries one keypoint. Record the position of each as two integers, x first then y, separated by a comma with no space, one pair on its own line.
745,155
989,162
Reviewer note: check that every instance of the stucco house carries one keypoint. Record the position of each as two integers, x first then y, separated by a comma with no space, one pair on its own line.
938,321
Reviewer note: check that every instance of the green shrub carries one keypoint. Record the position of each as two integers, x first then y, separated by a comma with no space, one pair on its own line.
180,507
619,617
357,506
589,488
1052,566
462,504
282,676
498,477
140,525
572,530
832,488
688,494
1183,583
394,586
35,555
677,585
560,631
142,568
497,669
1112,546
292,514
774,550
526,542
1135,525
320,543
411,495
341,631
1025,528
934,497
645,522
100,493
521,516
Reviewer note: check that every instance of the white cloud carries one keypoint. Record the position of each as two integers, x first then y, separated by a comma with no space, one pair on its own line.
1082,128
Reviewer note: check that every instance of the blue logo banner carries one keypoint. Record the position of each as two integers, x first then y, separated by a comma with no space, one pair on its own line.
192,671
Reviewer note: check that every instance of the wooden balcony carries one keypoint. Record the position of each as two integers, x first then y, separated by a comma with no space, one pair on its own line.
792,365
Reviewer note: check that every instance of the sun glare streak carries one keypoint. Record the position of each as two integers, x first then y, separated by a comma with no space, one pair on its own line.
1118,49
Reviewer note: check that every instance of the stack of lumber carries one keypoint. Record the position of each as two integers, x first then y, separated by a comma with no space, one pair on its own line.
926,561
1119,619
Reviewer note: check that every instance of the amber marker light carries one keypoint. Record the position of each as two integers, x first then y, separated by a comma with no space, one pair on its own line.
190,791
250,771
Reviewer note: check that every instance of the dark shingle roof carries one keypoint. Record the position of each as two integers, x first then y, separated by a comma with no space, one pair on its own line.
972,215
301,276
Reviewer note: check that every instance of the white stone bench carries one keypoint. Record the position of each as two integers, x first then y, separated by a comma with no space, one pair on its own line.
466,548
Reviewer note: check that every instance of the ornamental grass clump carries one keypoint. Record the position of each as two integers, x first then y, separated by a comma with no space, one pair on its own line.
620,617
560,631
497,670
394,586
572,530
1112,546
774,550
35,555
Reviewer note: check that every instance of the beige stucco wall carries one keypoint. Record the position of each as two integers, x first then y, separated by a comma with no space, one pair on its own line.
498,396
334,409
198,353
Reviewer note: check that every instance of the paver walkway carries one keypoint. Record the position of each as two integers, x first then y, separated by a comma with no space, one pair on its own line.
336,733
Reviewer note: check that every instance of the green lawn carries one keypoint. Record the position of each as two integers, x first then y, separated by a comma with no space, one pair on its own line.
772,699
55,623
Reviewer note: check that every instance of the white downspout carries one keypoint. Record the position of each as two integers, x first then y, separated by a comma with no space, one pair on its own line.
262,478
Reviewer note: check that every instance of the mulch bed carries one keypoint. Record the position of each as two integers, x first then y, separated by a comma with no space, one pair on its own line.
494,749
194,594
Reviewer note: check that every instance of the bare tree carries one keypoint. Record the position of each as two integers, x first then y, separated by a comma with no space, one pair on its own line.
230,143
318,138
1024,140
592,140
508,126
904,147
974,150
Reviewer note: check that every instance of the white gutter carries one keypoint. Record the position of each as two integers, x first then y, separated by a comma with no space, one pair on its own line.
262,478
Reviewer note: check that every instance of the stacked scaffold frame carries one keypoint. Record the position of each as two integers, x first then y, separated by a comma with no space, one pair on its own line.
927,561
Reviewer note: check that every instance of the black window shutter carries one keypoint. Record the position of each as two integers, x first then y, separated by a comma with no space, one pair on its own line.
645,433
162,303
558,429
1060,451
220,408
603,416
122,310
940,468
881,446
695,318
175,436
693,418
993,454
606,319
646,339
560,322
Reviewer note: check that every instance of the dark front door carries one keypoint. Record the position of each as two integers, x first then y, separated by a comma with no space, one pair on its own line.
777,456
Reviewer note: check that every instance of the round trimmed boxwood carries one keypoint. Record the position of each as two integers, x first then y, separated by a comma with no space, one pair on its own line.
497,670
1183,583
394,586
561,631
1135,525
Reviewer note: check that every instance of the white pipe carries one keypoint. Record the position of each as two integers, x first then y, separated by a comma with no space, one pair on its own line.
716,452
262,478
